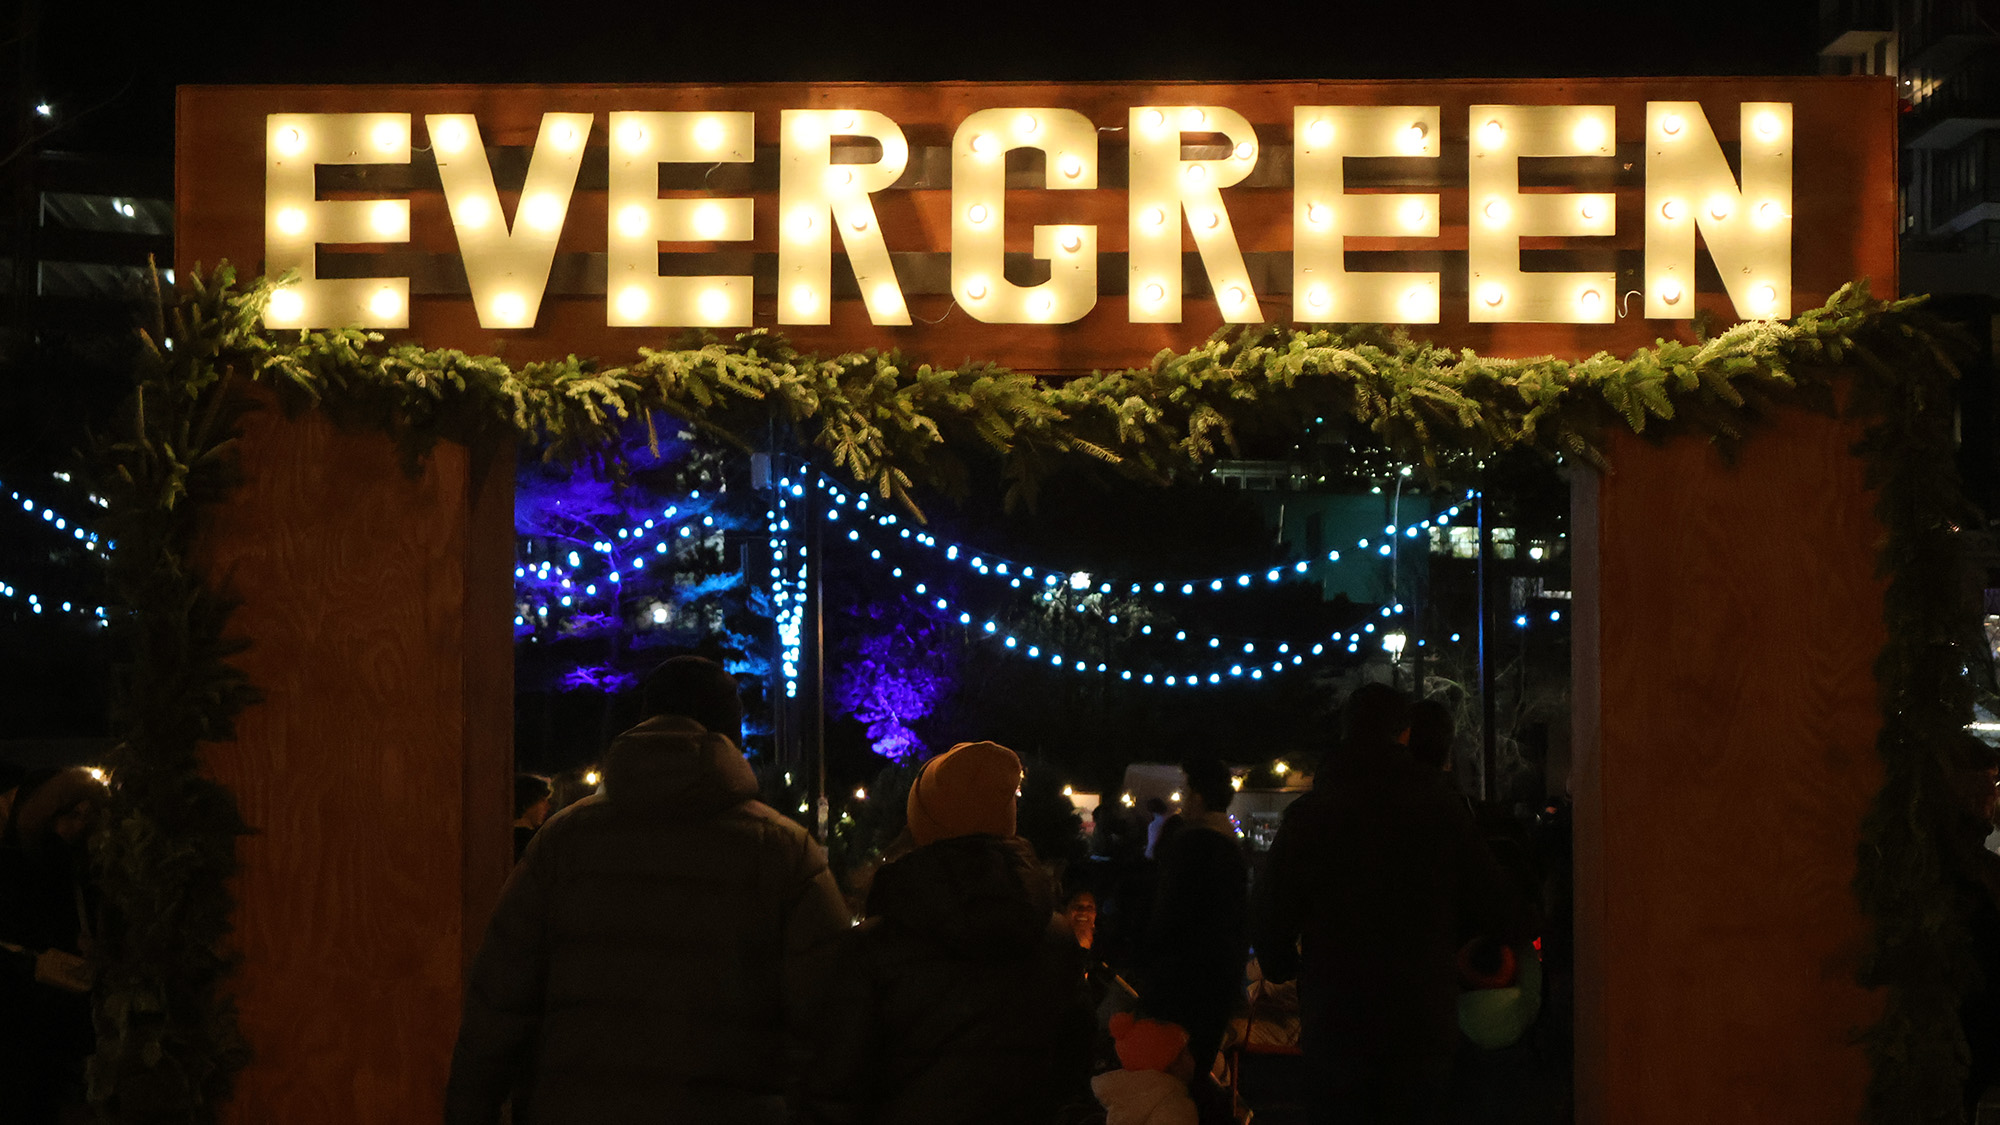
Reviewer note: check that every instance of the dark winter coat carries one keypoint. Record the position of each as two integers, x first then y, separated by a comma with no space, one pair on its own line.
1198,937
1383,876
652,950
960,1000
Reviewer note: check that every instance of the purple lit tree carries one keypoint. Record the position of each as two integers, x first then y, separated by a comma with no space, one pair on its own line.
896,668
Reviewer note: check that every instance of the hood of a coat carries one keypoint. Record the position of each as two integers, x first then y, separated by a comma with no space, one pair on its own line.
977,896
1133,1095
672,764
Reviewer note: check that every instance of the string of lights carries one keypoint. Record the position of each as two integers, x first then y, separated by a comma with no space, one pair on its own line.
989,565
37,606
57,520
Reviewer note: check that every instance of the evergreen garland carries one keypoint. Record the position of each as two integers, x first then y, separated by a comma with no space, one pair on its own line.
168,1041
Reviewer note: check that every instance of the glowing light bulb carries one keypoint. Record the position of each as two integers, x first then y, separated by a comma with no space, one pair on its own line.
287,305
291,141
802,224
1212,220
1767,126
1235,295
564,135
1415,214
976,289
1672,124
977,214
1669,290
543,211
1590,301
1155,292
450,137
1156,118
1589,134
1495,211
1072,241
1316,297
1718,208
1194,119
633,137
388,135
1027,125
805,300
1196,173
1672,210
632,302
1591,210
1492,294
1157,217
632,221
1317,214
859,224
1071,167
1320,132
1765,296
292,221
888,297
1418,300
387,217
710,221
1244,150
1416,137
1043,304
1492,133
1768,212
708,133
847,122
509,308
386,303
714,304
983,144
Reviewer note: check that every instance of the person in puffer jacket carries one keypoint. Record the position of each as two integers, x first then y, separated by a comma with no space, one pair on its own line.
1152,1089
960,999
656,951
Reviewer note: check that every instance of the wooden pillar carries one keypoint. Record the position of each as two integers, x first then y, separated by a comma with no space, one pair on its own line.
377,773
1727,620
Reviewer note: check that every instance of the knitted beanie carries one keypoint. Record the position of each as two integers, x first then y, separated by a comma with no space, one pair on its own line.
968,790
1146,1044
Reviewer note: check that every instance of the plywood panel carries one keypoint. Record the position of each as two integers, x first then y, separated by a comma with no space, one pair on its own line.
1737,616
372,772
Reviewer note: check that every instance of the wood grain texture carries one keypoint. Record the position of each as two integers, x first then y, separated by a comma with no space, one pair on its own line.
1738,615
373,773
1844,169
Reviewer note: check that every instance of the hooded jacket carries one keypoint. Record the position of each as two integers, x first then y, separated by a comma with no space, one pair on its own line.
1379,875
1143,1097
960,999
652,950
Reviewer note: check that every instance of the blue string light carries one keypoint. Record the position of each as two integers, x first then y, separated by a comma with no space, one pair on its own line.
987,565
57,521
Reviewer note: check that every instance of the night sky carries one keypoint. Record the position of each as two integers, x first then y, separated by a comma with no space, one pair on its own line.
110,69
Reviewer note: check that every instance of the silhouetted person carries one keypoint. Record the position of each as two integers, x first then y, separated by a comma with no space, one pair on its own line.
654,955
1198,939
1432,732
531,808
1371,880
961,998
47,917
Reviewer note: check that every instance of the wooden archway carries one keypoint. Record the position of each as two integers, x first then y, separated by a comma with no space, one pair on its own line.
1727,618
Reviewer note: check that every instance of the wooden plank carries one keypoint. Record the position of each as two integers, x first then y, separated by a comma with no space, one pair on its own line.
1719,819
372,771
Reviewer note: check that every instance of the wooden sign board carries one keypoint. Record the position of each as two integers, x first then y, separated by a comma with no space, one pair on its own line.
1045,227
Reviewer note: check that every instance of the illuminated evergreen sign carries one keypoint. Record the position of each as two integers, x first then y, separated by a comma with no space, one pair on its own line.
1175,171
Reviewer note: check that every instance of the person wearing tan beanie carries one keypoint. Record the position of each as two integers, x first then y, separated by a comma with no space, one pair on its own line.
961,997
969,790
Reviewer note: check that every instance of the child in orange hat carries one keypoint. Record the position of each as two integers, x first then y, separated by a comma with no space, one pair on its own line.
1152,1089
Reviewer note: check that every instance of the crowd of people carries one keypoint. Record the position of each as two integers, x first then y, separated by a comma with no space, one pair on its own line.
671,948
